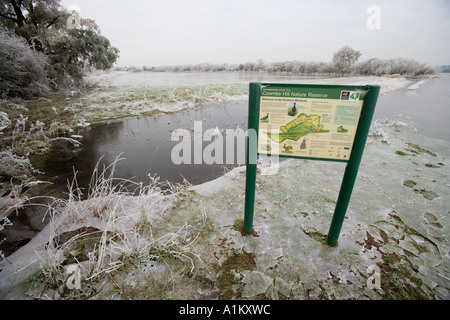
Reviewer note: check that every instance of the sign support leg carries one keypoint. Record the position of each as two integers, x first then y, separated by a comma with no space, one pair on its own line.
252,155
249,198
352,168
348,182
370,94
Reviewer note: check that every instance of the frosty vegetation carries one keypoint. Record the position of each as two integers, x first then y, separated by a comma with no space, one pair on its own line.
26,75
39,53
345,62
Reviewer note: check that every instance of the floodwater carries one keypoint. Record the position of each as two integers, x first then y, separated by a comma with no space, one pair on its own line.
427,108
145,145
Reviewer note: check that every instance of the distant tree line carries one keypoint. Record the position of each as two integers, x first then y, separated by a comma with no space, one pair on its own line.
44,47
402,66
345,62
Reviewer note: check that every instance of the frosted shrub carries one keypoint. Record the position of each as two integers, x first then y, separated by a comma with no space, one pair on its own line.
13,166
37,128
58,128
22,70
21,124
402,66
4,122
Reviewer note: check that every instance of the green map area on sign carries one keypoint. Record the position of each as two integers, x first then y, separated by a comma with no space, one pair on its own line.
300,127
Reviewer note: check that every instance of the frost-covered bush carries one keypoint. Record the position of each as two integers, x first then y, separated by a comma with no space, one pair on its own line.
22,70
13,166
4,122
402,66
59,55
410,67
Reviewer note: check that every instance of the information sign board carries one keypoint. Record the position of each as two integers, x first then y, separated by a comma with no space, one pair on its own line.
312,123
318,122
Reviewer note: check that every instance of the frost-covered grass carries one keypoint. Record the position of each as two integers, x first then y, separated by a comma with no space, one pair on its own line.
113,103
112,230
14,166
135,101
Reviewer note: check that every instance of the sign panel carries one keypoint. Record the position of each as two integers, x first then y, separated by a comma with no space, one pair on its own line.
312,122
320,122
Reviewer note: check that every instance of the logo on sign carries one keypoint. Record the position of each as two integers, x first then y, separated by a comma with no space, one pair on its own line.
350,96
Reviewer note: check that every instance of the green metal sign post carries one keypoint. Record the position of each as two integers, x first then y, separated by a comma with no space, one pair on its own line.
350,107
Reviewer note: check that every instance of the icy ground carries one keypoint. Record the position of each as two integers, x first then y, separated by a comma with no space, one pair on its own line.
188,244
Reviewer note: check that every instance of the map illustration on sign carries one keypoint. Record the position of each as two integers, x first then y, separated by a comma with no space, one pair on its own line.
308,122
300,127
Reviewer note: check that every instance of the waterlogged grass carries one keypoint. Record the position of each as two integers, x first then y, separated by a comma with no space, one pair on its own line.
96,104
33,122
129,102
115,103
191,93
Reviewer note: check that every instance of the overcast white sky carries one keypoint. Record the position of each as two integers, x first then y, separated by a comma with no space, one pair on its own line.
169,32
